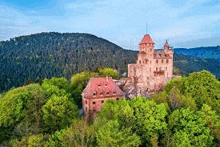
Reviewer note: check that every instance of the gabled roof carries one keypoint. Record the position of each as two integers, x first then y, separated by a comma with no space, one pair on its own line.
146,39
103,87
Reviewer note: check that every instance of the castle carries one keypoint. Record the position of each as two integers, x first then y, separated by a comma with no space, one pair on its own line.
151,72
153,68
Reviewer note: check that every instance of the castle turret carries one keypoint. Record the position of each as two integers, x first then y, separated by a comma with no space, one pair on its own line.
146,49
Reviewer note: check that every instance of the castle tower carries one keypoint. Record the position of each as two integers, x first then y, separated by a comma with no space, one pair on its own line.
146,50
154,68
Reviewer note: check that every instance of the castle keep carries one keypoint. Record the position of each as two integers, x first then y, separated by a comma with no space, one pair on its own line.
153,68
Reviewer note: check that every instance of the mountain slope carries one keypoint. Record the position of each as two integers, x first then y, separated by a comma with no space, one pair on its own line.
46,55
212,52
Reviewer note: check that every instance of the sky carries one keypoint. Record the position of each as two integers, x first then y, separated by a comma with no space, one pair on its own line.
185,23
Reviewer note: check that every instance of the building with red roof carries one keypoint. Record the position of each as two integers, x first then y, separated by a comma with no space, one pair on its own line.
97,91
153,68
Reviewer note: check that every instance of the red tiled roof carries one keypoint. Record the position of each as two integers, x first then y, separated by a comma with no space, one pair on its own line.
102,85
146,39
161,55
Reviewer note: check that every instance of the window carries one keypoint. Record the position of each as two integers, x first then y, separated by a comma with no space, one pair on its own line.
101,93
157,61
102,101
86,109
160,68
156,69
106,85
107,92
86,101
94,110
117,98
93,102
167,60
162,61
94,93
114,92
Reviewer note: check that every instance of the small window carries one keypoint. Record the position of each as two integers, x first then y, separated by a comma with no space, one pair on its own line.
162,61
117,98
102,101
139,61
114,92
160,68
94,110
167,60
156,69
101,93
99,85
93,103
86,101
105,85
86,109
107,92
94,93
157,61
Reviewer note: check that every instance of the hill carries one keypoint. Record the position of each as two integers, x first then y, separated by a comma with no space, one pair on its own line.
46,55
212,52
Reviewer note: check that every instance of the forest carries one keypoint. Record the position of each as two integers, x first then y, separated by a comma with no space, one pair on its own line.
46,55
185,113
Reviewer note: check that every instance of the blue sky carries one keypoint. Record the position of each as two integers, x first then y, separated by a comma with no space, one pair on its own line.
185,23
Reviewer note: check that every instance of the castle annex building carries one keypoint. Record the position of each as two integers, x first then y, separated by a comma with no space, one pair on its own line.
153,68
97,91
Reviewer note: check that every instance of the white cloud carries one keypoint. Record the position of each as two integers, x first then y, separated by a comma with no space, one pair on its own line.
122,22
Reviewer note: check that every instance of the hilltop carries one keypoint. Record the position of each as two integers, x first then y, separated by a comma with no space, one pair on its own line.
46,55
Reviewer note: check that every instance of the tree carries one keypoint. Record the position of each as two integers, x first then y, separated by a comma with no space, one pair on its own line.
111,134
107,72
189,129
213,121
58,113
20,112
78,84
150,119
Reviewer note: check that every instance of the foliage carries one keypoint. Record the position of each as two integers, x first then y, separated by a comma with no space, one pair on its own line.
107,72
21,107
79,134
189,129
47,55
111,134
58,112
78,83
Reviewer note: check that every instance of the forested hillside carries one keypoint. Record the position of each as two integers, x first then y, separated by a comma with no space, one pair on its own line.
53,54
210,52
46,55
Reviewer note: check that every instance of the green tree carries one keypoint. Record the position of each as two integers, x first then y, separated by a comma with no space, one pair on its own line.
58,112
150,119
78,84
110,134
20,112
107,72
189,129
213,121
